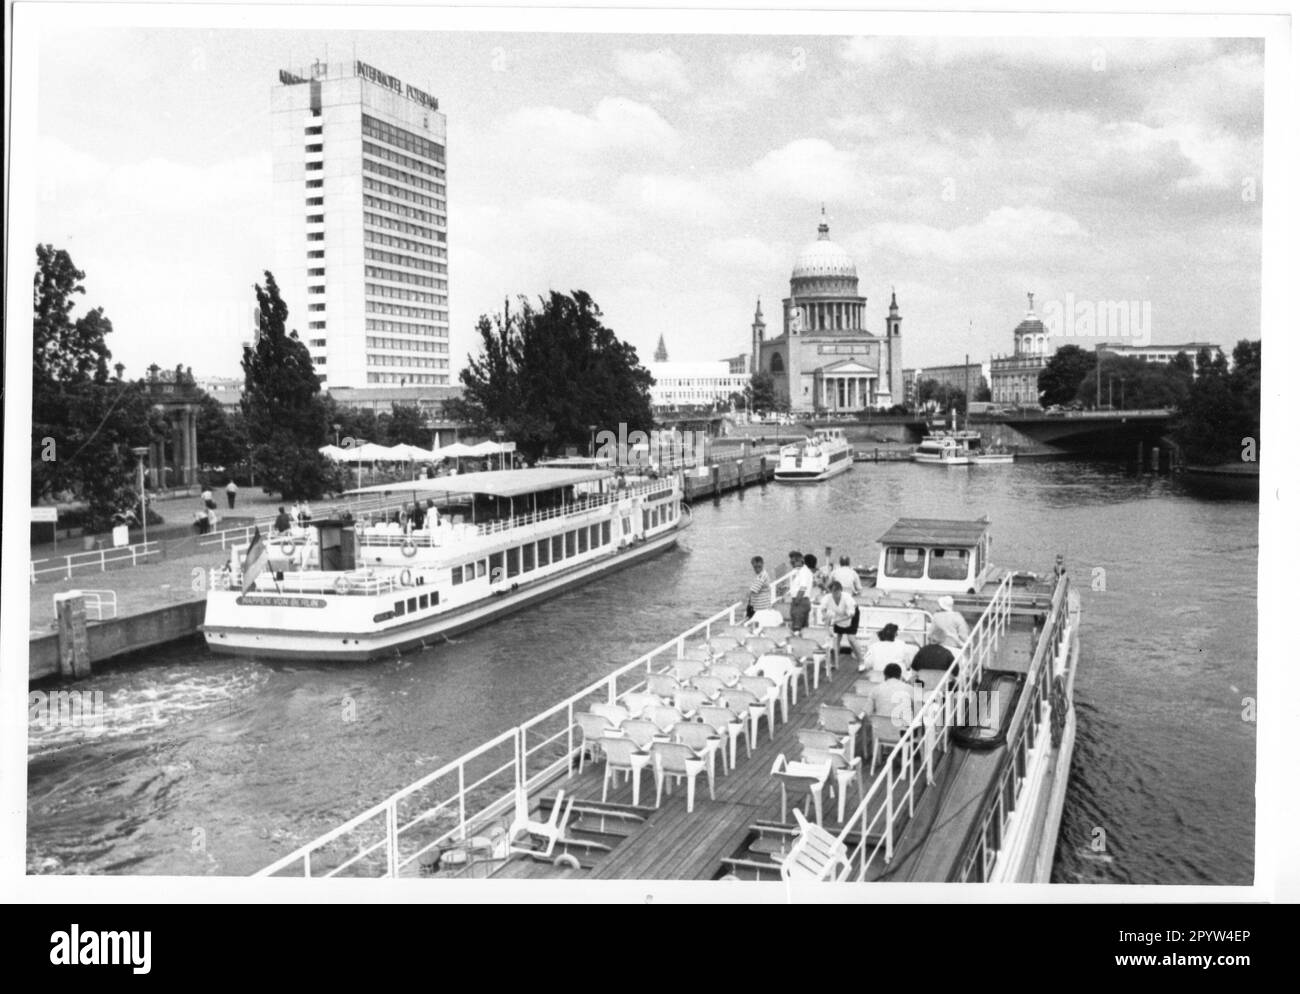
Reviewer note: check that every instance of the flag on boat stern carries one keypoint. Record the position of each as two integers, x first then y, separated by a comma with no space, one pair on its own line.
254,560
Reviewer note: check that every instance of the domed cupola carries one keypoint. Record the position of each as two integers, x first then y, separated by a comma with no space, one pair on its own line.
823,267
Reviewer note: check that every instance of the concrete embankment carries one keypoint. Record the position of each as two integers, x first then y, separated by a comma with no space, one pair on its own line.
726,474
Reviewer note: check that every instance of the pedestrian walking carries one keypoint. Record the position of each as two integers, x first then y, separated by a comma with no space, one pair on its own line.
231,490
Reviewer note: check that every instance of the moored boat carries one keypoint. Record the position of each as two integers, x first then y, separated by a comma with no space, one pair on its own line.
491,543
825,453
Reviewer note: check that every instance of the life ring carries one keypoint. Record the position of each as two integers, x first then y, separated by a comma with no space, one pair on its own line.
408,548
341,585
1060,707
287,547
405,578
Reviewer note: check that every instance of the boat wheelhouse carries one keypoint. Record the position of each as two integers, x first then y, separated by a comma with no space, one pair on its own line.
806,782
825,453
490,543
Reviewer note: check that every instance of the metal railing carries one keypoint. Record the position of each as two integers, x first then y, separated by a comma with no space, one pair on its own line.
449,806
880,811
1033,711
94,600
99,559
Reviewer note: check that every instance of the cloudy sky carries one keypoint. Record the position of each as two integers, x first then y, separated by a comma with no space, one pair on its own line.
675,177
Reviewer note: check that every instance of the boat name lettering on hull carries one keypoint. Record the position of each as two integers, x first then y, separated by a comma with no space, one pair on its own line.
267,600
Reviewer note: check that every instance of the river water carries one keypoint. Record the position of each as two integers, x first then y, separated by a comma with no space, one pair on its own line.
205,765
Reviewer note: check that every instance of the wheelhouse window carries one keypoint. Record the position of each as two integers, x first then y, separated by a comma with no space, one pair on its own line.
604,533
512,562
530,561
570,544
949,564
458,575
582,540
557,548
544,552
905,562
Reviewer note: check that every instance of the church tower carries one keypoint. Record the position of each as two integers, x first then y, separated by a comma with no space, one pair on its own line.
661,351
758,328
894,350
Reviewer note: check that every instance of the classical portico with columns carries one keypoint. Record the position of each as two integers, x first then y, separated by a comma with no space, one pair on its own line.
825,360
173,460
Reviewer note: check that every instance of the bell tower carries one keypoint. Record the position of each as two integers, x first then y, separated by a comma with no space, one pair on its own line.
757,328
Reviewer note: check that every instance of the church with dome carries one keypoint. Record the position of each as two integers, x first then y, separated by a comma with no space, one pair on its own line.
825,360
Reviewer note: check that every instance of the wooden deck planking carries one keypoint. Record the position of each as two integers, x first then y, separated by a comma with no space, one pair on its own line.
672,844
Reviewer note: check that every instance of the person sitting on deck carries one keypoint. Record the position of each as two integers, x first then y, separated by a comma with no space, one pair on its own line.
885,650
893,697
841,614
948,627
282,521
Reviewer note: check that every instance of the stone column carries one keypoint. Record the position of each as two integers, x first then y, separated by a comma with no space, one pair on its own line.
176,450
192,417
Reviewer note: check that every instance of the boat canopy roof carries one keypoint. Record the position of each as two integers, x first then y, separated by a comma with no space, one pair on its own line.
935,532
495,483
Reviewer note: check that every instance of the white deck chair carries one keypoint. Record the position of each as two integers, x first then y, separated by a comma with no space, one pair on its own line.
815,855
549,832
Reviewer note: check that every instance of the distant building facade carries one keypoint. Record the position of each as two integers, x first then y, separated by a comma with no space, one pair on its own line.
1162,353
693,384
430,401
825,359
1015,376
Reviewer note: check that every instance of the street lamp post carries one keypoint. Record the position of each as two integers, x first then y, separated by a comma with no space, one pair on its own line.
592,430
336,427
139,452
500,435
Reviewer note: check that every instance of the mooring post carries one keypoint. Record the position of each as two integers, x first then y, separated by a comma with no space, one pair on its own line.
74,651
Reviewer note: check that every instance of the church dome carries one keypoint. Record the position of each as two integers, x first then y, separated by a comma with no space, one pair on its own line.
824,259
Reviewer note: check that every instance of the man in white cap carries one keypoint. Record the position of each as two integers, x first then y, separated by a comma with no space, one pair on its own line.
948,627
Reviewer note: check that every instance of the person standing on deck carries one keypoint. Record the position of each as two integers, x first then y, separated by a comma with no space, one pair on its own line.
847,577
840,613
801,587
760,590
948,627
282,521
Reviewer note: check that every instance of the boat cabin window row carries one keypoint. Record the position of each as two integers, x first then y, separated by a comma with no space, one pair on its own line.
410,605
909,563
533,555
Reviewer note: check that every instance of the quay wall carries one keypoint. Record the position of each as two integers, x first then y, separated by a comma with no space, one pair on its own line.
119,636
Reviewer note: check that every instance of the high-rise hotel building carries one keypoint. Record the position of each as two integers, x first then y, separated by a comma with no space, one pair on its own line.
360,200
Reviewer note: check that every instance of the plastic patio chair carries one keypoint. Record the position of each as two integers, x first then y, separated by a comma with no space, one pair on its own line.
594,727
675,761
622,756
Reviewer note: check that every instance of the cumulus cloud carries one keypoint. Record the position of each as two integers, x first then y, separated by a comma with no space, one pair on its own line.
810,169
680,197
660,70
745,253
1007,233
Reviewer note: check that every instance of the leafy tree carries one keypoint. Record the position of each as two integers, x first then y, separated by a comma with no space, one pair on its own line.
1222,407
287,417
983,394
761,393
1058,383
945,396
1129,383
545,374
84,424
405,426
222,436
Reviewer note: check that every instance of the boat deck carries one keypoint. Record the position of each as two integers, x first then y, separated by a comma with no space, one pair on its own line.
744,820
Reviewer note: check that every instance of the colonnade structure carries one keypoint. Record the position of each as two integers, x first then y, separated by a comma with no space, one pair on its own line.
173,460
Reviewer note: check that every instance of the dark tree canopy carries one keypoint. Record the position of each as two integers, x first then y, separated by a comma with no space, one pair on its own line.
222,435
1059,382
404,426
1222,407
285,414
761,393
84,424
1129,383
946,396
547,373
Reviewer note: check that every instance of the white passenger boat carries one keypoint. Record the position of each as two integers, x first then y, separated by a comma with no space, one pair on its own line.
970,789
959,448
823,454
494,542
